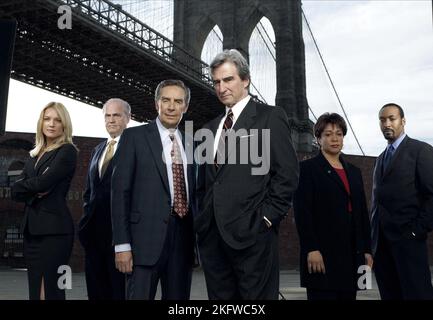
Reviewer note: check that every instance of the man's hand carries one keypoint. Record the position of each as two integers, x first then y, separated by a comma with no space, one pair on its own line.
124,261
368,260
315,262
42,194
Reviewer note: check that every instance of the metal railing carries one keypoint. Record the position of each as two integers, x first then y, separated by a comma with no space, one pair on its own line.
112,17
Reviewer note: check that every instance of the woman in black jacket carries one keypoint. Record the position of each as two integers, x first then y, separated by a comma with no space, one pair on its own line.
331,217
48,227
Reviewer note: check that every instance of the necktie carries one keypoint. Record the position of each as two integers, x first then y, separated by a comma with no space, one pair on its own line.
179,189
220,154
108,155
388,156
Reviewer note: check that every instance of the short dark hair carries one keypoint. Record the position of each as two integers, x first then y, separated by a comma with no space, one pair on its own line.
392,104
329,118
171,82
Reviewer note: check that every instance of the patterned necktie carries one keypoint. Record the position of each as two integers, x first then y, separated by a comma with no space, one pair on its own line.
388,156
220,154
179,189
108,155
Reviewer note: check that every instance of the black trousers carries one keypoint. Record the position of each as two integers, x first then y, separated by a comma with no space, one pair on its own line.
103,280
248,274
44,254
173,269
402,269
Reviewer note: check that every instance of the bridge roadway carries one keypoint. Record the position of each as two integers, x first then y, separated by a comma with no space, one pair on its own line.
106,53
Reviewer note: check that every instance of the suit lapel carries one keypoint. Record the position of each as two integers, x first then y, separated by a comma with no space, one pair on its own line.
213,126
30,167
188,146
348,172
378,174
395,157
245,121
46,157
95,162
154,141
247,116
330,171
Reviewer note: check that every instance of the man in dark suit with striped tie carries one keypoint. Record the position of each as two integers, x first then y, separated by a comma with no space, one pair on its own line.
402,211
153,201
242,201
103,280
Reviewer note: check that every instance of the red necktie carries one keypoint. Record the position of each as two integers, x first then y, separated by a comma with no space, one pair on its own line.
228,123
179,189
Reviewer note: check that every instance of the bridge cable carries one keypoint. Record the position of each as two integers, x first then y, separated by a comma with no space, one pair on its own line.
332,83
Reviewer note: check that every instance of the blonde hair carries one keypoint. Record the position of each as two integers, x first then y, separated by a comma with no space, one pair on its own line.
65,138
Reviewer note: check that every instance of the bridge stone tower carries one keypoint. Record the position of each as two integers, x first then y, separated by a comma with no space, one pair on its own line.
194,19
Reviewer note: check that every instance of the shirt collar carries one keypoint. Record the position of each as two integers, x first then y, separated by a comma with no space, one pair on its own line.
163,131
115,139
397,142
238,107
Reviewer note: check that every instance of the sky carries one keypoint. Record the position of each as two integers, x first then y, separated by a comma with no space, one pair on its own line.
375,51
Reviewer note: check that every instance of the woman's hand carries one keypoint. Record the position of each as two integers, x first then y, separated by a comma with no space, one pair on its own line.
315,262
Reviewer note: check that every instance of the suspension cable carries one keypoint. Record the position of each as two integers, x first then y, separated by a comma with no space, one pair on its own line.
332,83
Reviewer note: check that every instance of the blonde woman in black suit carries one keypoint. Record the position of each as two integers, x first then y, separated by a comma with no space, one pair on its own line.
48,227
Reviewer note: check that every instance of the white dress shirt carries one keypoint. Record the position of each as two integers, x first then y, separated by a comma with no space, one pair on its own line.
236,109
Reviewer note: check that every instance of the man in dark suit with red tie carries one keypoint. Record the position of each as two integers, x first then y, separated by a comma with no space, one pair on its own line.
153,200
241,200
103,280
402,211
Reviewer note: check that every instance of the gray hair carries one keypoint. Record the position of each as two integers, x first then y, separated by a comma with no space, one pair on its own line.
235,57
171,82
123,103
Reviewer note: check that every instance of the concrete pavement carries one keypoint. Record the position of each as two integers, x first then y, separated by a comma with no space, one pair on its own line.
13,286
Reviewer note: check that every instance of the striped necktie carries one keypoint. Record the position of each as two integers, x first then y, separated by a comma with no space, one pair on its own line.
180,205
221,152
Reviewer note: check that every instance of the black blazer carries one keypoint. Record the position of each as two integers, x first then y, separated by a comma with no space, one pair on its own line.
53,173
140,196
403,195
239,199
325,224
96,202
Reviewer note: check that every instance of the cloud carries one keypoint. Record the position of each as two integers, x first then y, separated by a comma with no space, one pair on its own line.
376,52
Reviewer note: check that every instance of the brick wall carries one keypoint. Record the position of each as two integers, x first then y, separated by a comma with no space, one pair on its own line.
14,147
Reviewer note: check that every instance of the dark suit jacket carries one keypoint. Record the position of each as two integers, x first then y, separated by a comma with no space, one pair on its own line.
238,199
403,195
325,224
140,196
53,173
95,224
